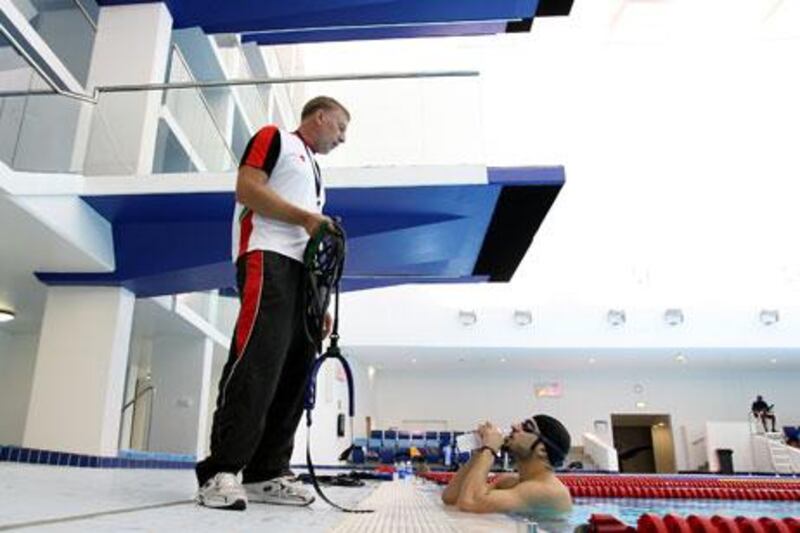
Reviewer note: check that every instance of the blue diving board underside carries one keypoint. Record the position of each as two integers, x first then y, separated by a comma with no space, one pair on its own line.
181,242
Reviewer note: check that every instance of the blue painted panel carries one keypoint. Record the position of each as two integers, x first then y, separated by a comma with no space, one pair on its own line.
527,175
171,243
239,16
375,33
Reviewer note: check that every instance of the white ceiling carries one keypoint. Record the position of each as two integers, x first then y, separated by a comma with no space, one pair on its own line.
413,358
27,246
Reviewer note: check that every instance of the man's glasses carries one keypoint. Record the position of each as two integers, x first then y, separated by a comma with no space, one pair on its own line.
529,426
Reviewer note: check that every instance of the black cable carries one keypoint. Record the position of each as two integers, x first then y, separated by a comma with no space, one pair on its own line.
324,260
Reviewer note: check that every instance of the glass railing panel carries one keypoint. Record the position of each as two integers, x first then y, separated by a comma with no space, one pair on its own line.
199,119
144,130
68,27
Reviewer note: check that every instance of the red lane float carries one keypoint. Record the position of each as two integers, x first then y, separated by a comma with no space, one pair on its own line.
624,486
701,524
677,524
671,523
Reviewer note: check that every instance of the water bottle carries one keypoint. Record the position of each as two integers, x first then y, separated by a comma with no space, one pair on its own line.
468,442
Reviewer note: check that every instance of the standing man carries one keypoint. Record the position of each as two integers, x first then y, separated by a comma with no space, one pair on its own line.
763,411
279,199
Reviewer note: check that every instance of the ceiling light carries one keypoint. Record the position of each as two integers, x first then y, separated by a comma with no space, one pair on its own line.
680,358
592,360
774,361
769,316
414,361
502,359
467,318
523,317
616,317
371,371
6,315
641,405
673,317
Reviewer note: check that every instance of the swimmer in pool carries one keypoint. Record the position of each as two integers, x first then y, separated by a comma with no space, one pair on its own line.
538,445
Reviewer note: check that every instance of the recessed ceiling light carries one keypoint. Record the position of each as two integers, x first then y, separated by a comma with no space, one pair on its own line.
523,317
641,405
6,315
592,360
769,316
673,317
616,317
774,361
680,358
502,359
467,318
414,361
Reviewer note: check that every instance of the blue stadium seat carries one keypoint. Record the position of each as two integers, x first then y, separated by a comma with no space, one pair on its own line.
375,440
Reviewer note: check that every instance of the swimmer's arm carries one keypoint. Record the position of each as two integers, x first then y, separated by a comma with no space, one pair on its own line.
498,501
453,489
505,481
475,486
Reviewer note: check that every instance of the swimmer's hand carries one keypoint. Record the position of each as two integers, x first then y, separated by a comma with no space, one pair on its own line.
491,436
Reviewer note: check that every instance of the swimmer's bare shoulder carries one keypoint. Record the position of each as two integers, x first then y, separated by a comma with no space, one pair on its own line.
552,495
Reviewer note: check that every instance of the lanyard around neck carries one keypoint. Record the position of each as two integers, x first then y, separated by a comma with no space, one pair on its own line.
314,167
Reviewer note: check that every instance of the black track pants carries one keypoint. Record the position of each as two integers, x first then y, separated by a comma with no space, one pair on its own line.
263,384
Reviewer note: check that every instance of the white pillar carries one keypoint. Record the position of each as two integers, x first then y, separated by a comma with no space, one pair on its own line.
79,378
132,46
17,358
206,383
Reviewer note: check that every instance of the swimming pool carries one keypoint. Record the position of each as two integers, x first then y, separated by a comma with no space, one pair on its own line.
629,510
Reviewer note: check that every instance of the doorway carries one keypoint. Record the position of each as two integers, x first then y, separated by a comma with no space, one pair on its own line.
644,443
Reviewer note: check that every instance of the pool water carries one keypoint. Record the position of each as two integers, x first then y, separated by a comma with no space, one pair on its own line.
629,510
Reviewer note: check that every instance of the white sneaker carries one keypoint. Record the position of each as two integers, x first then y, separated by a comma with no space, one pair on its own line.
223,491
279,491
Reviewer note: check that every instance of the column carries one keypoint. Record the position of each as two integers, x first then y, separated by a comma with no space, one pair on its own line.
79,377
132,46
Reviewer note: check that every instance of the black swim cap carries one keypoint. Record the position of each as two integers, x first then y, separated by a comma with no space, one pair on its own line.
555,438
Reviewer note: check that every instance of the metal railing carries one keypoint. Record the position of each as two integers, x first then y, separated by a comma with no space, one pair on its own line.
151,389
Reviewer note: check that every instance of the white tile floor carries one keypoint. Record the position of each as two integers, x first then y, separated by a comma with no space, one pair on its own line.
46,498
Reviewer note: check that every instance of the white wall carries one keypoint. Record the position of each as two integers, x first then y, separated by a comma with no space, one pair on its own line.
17,361
332,400
733,436
176,369
466,397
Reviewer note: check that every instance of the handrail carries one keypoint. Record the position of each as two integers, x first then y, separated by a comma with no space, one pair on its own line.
149,388
139,395
93,98
288,79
